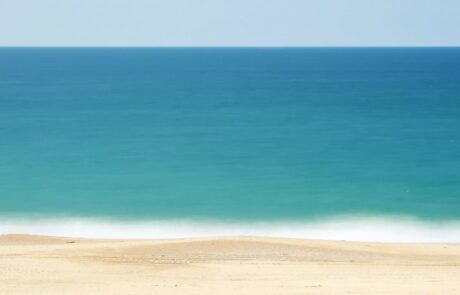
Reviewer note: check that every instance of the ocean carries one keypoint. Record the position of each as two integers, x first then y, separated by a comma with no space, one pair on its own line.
334,143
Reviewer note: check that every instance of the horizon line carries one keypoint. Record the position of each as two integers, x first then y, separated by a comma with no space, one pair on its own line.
229,46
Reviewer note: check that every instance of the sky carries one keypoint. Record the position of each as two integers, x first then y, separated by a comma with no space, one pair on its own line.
230,23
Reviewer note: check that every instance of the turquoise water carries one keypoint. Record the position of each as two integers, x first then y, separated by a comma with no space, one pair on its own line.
229,135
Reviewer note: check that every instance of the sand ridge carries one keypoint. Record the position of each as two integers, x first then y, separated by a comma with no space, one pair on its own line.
229,265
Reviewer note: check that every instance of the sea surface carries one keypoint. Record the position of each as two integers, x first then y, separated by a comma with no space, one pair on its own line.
338,143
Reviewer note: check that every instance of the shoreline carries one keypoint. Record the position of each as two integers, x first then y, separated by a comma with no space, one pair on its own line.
391,229
226,265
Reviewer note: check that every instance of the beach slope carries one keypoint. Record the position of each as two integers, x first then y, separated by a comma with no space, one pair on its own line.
237,265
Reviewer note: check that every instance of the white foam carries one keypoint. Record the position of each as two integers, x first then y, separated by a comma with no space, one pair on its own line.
346,228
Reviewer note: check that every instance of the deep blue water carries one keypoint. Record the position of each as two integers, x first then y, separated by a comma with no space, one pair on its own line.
230,133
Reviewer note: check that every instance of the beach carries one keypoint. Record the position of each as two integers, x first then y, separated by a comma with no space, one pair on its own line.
205,170
230,265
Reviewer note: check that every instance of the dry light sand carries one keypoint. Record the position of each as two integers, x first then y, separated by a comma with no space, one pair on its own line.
43,265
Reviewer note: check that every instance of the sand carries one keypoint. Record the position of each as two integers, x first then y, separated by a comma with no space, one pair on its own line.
242,265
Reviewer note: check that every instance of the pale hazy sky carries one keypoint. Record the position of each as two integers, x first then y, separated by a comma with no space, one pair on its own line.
230,23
